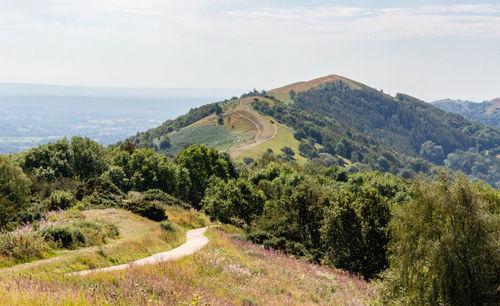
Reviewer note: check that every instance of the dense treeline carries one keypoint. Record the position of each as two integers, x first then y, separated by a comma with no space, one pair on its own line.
331,142
410,127
429,241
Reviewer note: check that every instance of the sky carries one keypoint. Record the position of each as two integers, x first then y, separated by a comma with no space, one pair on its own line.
428,49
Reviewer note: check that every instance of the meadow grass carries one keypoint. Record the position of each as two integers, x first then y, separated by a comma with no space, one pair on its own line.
139,238
228,271
284,138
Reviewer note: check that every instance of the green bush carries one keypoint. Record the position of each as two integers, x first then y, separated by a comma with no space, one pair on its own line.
152,210
158,195
168,226
65,236
60,200
96,233
22,246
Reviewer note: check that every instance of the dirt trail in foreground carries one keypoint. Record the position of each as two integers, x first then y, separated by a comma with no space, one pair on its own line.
195,241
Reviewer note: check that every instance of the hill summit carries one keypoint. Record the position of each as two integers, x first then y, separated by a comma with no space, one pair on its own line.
335,120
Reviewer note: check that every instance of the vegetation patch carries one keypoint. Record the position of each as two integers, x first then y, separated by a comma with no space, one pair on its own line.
215,136
227,271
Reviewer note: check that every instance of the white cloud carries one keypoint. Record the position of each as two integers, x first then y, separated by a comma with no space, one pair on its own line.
388,23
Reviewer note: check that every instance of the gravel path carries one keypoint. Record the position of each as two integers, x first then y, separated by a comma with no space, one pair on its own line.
195,240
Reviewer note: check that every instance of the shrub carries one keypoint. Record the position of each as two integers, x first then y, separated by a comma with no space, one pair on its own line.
152,210
159,195
60,200
96,233
65,236
22,245
168,226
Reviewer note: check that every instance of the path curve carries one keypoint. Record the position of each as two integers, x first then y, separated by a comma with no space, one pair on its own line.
195,240
258,138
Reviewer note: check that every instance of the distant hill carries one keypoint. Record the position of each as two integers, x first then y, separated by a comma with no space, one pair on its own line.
487,112
335,120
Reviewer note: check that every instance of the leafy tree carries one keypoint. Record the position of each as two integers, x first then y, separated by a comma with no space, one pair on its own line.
89,159
296,216
150,170
117,176
432,152
444,247
164,143
49,161
354,232
14,192
202,163
232,201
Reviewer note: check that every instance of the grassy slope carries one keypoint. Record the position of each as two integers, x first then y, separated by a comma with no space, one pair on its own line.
237,131
227,271
209,134
139,237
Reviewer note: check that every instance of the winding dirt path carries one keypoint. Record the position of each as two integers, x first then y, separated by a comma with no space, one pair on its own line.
261,124
195,241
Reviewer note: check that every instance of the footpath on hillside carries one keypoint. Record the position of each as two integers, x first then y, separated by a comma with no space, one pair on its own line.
195,240
265,129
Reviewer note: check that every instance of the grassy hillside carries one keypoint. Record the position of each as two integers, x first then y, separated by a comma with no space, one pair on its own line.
228,271
334,120
139,237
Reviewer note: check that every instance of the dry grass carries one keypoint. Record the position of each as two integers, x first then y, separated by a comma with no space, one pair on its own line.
227,272
139,238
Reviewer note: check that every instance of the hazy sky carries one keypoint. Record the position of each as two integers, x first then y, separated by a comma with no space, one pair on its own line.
429,49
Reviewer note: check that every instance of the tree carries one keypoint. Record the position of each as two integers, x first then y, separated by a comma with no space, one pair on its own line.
444,247
289,153
202,163
164,143
432,152
151,170
354,231
232,201
14,192
89,159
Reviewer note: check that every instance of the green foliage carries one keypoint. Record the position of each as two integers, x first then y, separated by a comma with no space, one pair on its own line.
202,163
82,157
152,210
168,226
444,247
60,200
118,177
89,159
482,165
235,201
14,192
354,232
97,233
65,236
165,198
151,170
147,139
20,246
